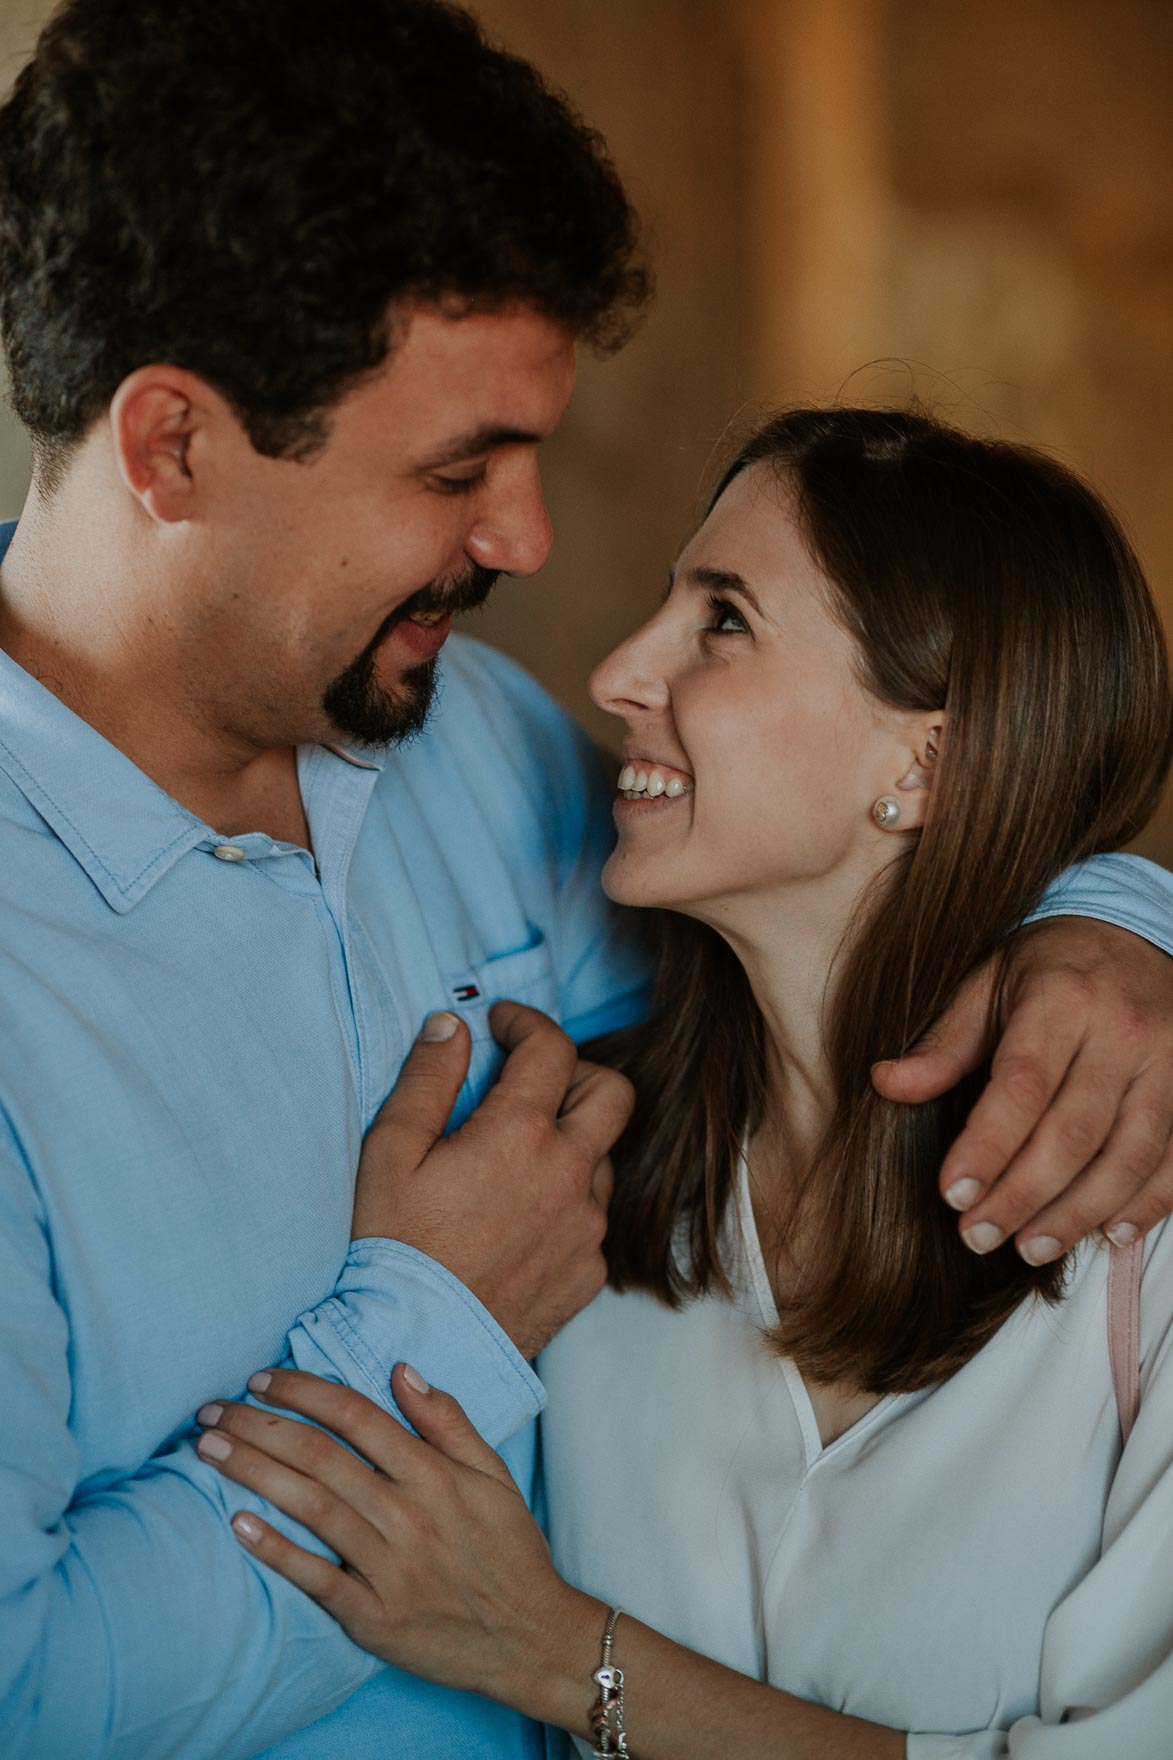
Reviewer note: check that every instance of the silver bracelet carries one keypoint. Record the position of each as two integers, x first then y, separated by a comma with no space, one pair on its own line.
607,1712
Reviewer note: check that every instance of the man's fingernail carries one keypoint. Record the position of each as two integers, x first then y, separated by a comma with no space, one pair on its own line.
213,1446
259,1382
415,1379
1122,1234
209,1415
1040,1249
963,1193
247,1527
983,1237
438,1027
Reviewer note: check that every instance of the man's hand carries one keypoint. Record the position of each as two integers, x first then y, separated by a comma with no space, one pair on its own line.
514,1203
1073,1131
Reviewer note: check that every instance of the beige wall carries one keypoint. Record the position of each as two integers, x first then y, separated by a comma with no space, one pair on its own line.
972,201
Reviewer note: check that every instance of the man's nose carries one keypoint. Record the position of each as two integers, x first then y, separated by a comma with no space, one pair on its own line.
513,533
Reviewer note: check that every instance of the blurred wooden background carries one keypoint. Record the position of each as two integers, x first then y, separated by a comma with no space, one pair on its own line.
972,202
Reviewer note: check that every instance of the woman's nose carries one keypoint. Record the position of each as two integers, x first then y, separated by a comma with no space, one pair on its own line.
631,678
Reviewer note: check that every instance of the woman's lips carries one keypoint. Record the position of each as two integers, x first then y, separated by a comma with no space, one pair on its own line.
648,804
421,641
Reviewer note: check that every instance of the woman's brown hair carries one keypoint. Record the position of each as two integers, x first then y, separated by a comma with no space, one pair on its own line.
984,579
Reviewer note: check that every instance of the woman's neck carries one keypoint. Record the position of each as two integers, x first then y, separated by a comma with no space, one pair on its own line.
790,946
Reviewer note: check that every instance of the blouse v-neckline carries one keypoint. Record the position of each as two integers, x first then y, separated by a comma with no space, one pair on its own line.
757,1280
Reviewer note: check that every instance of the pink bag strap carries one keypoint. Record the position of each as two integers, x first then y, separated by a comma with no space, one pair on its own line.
1124,1330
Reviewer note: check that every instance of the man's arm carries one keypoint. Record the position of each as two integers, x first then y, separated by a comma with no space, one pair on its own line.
1073,1131
127,1627
131,1621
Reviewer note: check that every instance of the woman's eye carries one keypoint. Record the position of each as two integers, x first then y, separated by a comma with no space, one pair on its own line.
727,620
460,485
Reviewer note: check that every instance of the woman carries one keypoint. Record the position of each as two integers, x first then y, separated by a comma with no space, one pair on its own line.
901,680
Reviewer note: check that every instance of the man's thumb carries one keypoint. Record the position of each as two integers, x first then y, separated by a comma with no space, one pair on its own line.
952,1048
414,1114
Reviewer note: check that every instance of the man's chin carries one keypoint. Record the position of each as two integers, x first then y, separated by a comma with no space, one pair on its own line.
365,711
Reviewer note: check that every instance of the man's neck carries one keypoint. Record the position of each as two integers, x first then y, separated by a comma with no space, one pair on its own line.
67,628
263,796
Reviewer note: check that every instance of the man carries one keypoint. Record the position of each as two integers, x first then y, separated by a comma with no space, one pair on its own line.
291,297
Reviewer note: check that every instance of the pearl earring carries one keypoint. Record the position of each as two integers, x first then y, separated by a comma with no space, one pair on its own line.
886,811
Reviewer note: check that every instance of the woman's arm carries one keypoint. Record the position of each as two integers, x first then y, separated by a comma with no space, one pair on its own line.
445,1573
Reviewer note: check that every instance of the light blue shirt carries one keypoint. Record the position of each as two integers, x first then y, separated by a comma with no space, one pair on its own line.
191,1047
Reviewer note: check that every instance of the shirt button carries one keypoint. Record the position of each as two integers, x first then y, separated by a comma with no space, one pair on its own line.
228,852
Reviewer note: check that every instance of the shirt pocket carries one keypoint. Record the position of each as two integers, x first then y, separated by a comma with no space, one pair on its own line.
524,975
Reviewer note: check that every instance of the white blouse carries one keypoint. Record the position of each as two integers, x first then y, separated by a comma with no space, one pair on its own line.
978,1563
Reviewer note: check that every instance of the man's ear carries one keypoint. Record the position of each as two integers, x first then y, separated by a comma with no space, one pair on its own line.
157,416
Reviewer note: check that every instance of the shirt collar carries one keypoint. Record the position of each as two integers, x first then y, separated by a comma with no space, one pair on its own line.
122,828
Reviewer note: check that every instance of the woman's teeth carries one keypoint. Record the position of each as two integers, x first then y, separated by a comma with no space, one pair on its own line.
647,785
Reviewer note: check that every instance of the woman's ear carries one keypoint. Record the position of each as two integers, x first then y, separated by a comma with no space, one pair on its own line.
920,772
906,810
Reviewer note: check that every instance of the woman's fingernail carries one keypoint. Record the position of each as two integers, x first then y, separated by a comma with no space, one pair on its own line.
415,1379
214,1446
963,1193
438,1027
983,1237
1040,1249
247,1527
1122,1234
259,1382
209,1415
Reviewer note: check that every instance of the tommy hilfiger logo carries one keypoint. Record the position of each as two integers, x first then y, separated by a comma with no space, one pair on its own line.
466,993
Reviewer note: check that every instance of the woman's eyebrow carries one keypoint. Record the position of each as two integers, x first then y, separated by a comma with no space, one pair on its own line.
718,580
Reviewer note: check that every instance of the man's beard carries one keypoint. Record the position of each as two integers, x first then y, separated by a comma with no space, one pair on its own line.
364,710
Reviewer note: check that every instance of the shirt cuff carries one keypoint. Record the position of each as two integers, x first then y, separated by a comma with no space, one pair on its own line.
393,1304
1125,890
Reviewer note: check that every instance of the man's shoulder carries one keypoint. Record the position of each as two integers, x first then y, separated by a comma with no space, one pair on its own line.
478,682
501,763
19,822
495,720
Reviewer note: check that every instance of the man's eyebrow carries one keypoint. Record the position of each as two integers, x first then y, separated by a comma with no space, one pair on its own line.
476,442
718,580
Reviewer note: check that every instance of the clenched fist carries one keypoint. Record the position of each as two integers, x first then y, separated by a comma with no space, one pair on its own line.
514,1203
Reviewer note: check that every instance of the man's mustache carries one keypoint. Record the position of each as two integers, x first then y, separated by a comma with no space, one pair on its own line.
450,598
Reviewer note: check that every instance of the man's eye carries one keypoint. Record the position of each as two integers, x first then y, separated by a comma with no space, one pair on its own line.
460,485
727,620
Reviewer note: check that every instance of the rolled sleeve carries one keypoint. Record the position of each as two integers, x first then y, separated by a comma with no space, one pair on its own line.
1128,891
393,1304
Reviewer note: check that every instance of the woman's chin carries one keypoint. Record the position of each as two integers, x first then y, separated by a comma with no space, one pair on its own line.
636,884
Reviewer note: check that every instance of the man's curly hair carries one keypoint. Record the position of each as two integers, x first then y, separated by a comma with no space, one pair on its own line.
249,188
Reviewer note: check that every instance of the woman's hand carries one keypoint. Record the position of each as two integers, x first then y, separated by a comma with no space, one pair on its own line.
443,1570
